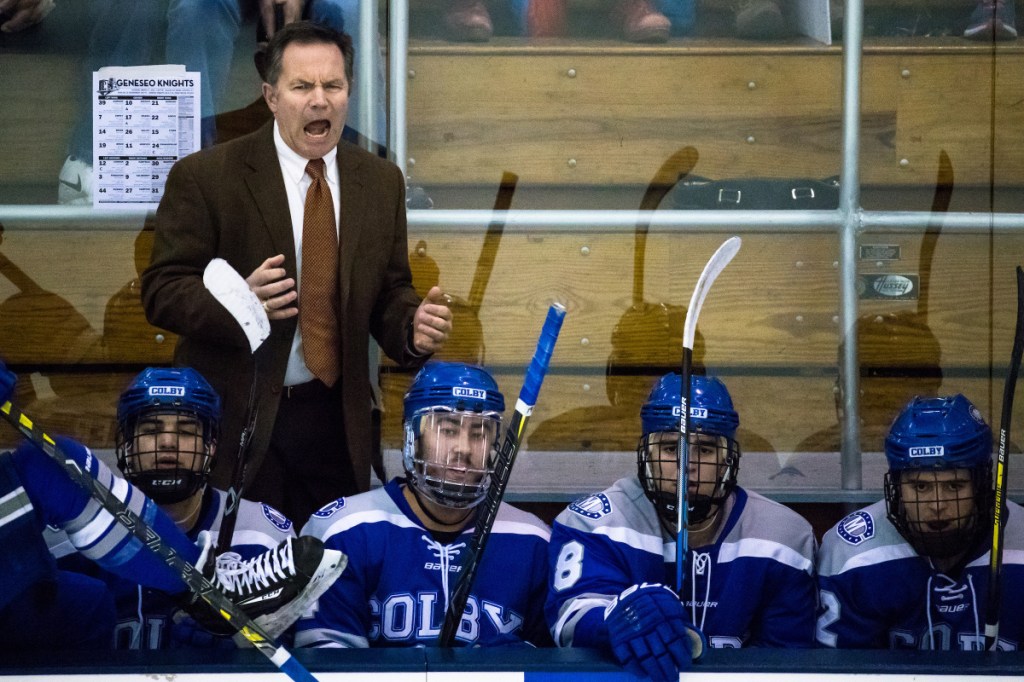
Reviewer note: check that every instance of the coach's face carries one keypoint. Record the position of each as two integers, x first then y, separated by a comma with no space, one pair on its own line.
310,98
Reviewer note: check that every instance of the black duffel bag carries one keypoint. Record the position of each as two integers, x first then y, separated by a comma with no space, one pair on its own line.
695,192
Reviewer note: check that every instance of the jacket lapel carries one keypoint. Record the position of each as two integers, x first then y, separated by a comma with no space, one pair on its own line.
266,184
353,211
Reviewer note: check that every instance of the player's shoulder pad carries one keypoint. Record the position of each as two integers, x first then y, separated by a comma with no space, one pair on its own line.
592,507
321,522
276,518
518,522
857,527
329,509
621,505
775,515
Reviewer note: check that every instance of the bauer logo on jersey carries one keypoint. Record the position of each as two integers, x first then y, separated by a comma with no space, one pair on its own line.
695,412
856,528
471,393
171,391
927,451
593,507
276,517
329,508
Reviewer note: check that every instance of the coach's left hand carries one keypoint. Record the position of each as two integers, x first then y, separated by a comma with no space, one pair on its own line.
432,323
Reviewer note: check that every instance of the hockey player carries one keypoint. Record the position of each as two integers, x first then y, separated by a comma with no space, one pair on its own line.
167,426
167,433
748,574
36,598
405,541
911,571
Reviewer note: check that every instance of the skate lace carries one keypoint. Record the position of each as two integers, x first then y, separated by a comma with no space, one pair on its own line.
260,572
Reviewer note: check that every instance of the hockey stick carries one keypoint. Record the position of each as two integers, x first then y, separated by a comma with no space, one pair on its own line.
489,250
502,470
234,493
995,564
714,267
189,574
233,292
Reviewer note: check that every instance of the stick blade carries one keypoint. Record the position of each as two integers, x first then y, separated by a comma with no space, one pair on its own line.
722,257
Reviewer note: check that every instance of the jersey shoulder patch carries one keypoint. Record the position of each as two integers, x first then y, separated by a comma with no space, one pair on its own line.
593,507
279,520
857,527
326,511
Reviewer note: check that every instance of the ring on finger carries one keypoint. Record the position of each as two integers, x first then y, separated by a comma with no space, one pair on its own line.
266,305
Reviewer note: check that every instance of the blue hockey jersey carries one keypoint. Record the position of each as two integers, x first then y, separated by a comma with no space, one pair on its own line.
878,593
754,586
395,590
145,615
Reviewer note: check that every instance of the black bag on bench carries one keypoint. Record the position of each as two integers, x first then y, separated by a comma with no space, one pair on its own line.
695,192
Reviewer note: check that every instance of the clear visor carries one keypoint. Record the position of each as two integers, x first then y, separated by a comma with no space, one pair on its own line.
449,455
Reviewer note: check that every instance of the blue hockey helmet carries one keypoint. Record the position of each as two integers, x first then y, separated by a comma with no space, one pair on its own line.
168,421
711,409
712,424
452,416
936,435
453,385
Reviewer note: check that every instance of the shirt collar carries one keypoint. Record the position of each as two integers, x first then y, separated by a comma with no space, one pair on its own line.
294,166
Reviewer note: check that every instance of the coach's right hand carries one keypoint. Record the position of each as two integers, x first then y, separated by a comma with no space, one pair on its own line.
650,633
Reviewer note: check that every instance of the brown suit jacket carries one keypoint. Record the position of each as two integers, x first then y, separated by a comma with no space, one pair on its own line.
229,201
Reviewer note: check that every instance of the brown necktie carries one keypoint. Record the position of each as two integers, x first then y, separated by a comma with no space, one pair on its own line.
318,291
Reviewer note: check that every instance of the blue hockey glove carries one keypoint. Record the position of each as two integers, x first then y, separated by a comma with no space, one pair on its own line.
7,381
650,632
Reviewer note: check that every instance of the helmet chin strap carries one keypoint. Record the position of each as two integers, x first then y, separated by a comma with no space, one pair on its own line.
426,510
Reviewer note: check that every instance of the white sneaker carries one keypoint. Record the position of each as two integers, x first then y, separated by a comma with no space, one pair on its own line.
74,186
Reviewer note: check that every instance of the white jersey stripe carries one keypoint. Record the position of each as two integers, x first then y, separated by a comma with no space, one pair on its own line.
764,549
635,539
878,556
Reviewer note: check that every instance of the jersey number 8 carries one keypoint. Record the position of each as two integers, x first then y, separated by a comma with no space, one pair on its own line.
570,565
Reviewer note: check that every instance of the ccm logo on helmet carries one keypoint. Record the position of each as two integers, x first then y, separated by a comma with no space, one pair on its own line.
928,451
472,393
173,391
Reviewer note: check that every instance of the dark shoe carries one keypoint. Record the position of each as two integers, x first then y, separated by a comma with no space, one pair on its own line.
992,20
760,20
468,21
642,23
